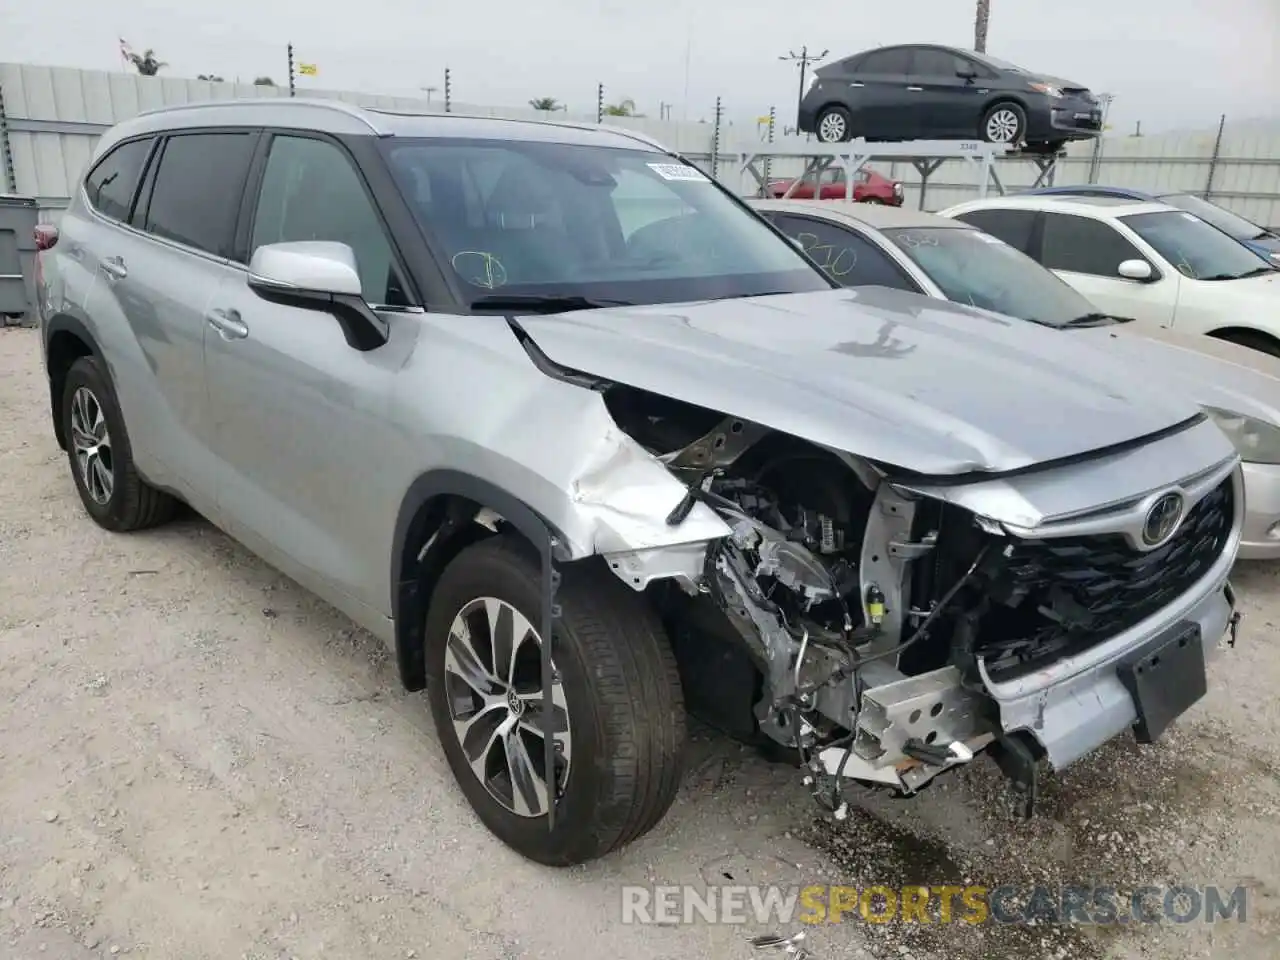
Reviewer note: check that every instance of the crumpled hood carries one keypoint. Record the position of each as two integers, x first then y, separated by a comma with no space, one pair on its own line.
1209,371
924,385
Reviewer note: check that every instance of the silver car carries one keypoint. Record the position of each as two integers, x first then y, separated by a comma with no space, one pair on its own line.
862,244
586,443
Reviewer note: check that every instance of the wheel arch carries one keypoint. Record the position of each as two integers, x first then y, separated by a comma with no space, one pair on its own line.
66,340
1248,337
442,513
1004,97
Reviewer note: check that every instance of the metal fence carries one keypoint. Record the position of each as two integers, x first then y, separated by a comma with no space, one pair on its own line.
51,117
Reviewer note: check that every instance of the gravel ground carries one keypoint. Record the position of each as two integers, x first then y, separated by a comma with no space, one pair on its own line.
199,759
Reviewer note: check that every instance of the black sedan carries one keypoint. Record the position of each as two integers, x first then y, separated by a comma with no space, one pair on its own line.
926,92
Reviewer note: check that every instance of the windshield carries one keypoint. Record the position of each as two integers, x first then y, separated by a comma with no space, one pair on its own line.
1211,213
538,219
995,62
975,268
1196,249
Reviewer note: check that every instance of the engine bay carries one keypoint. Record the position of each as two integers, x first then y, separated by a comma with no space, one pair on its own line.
853,624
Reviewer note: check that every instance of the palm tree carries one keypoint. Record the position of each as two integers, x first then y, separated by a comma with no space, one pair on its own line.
212,78
624,108
146,64
545,103
263,82
980,22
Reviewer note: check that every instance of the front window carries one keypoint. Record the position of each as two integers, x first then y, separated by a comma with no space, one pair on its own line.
1211,213
537,219
975,268
1196,249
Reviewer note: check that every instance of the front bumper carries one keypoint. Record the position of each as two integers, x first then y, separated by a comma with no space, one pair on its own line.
1064,118
1260,539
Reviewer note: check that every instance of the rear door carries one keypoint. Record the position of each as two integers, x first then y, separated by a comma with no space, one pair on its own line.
301,417
1017,228
882,98
946,104
1087,254
157,276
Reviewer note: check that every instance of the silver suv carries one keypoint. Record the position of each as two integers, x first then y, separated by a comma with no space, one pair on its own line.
584,440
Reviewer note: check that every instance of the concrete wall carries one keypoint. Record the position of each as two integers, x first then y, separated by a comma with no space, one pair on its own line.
52,117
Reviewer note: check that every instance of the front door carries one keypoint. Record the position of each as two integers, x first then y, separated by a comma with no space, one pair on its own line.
302,420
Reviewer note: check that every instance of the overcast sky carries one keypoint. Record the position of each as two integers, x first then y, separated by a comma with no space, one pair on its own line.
1170,63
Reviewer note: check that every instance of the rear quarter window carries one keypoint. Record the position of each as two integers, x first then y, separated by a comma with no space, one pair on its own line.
112,182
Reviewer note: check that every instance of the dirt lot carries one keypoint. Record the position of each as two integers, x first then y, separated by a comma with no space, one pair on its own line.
198,759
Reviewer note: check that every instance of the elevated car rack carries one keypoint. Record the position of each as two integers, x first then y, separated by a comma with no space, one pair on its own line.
925,155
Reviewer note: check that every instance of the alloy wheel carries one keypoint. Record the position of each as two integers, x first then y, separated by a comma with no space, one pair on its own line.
92,443
832,128
492,683
1002,126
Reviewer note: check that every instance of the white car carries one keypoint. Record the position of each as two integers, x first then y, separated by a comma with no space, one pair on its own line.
862,245
1151,262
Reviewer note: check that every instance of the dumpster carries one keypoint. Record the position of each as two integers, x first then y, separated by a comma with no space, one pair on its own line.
18,217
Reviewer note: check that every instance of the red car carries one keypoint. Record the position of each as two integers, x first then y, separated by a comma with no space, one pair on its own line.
868,187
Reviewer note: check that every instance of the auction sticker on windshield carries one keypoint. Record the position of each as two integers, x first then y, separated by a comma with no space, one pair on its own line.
678,171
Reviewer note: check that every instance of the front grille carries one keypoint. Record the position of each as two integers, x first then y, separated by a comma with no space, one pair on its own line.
1087,589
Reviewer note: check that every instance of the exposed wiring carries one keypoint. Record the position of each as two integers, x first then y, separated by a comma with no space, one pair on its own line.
924,624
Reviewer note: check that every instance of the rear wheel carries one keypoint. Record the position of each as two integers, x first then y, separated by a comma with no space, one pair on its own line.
834,125
617,723
112,491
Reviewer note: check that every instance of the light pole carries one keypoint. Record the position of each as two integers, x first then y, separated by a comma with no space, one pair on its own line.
428,91
804,58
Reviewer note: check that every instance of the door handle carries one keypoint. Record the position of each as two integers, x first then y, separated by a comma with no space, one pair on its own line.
227,323
114,268
855,84
917,89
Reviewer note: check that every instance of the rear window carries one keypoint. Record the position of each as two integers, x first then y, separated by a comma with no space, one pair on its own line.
198,188
112,182
896,60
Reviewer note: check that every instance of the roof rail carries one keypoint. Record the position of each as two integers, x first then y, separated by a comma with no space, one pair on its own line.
323,103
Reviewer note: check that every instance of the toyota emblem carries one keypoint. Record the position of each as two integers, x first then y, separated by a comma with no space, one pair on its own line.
1162,519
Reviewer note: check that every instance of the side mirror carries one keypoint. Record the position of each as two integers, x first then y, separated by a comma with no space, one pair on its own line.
318,275
1138,270
967,75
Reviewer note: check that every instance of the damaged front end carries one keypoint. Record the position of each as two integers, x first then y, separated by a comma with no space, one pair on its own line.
884,630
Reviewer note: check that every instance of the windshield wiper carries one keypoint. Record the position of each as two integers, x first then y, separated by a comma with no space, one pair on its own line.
1095,320
1255,272
533,303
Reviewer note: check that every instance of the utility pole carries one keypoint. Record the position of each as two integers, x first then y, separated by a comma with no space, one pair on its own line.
981,20
291,84
804,58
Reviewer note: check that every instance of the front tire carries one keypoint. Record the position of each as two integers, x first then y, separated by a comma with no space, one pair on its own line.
101,458
618,714
834,125
1004,123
